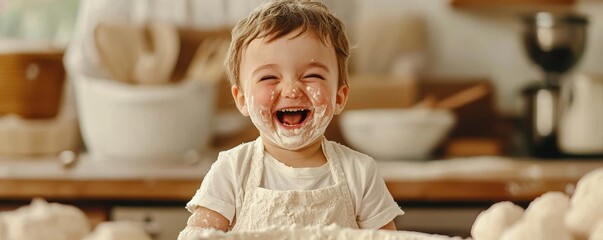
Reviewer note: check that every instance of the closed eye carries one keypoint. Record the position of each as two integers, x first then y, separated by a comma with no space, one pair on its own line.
269,77
314,76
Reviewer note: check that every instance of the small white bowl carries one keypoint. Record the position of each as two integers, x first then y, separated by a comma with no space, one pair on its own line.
396,134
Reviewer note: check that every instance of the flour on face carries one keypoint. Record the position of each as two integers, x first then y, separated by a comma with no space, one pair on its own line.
312,118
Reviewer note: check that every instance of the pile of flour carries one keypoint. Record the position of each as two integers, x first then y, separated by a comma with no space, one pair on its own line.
331,232
552,216
54,221
42,220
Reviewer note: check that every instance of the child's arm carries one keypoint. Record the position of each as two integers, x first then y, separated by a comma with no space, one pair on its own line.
389,226
206,218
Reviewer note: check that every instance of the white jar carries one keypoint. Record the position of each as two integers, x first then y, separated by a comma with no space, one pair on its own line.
581,122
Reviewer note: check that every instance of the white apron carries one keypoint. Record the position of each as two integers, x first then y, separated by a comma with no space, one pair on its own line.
262,208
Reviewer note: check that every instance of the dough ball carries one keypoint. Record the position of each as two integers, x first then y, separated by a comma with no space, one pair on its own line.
118,230
597,232
537,229
588,187
542,220
586,207
549,205
49,221
581,219
491,223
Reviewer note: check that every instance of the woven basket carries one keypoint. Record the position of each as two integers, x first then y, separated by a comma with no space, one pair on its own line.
31,84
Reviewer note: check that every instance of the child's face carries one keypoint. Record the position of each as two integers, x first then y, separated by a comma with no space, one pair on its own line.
289,88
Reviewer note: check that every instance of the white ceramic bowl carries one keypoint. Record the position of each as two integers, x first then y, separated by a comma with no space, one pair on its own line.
144,122
396,134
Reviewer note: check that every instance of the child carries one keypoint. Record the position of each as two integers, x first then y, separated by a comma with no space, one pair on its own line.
287,65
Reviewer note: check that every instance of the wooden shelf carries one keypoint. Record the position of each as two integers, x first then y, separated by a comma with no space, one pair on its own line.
102,189
493,3
475,191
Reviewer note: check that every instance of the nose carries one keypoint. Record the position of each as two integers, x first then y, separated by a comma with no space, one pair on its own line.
292,90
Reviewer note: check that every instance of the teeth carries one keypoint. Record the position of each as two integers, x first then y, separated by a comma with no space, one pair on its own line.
292,110
292,116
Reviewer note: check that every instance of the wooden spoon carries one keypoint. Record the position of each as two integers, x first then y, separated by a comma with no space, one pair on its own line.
161,47
207,64
463,97
118,47
455,101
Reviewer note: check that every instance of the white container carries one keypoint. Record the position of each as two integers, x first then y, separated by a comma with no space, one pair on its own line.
396,134
127,122
581,120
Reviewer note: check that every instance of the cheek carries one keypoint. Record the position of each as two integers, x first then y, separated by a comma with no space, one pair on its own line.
264,97
319,94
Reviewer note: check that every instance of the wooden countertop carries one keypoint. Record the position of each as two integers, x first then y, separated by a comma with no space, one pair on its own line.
466,179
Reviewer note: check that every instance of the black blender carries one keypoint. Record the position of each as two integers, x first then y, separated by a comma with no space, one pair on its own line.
555,42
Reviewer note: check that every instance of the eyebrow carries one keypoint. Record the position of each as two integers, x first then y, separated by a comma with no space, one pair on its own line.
319,65
260,68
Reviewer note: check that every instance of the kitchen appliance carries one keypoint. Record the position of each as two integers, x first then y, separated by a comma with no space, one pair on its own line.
555,42
581,121
540,119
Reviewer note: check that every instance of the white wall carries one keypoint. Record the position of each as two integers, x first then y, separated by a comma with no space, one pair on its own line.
477,42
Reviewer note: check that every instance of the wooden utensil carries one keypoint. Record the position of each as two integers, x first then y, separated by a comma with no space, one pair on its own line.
457,100
161,46
207,64
119,48
464,97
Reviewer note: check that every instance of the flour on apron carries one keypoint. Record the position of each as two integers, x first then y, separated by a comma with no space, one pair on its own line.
264,208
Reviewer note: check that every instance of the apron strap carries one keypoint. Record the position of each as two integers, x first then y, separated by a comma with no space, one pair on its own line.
257,163
334,161
335,157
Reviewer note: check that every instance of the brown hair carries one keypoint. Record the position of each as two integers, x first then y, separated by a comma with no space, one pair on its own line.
281,17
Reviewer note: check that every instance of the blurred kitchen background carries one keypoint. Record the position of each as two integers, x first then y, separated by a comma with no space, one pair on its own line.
120,107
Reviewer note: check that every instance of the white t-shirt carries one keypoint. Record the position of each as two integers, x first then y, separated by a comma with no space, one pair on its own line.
223,187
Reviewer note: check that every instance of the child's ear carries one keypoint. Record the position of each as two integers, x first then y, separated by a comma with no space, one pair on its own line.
341,98
239,98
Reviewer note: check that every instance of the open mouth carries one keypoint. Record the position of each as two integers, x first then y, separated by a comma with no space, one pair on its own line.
292,117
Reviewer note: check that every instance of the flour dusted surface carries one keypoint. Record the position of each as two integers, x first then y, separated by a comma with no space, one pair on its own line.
331,232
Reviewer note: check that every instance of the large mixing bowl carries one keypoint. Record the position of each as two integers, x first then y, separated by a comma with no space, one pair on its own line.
144,122
397,134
